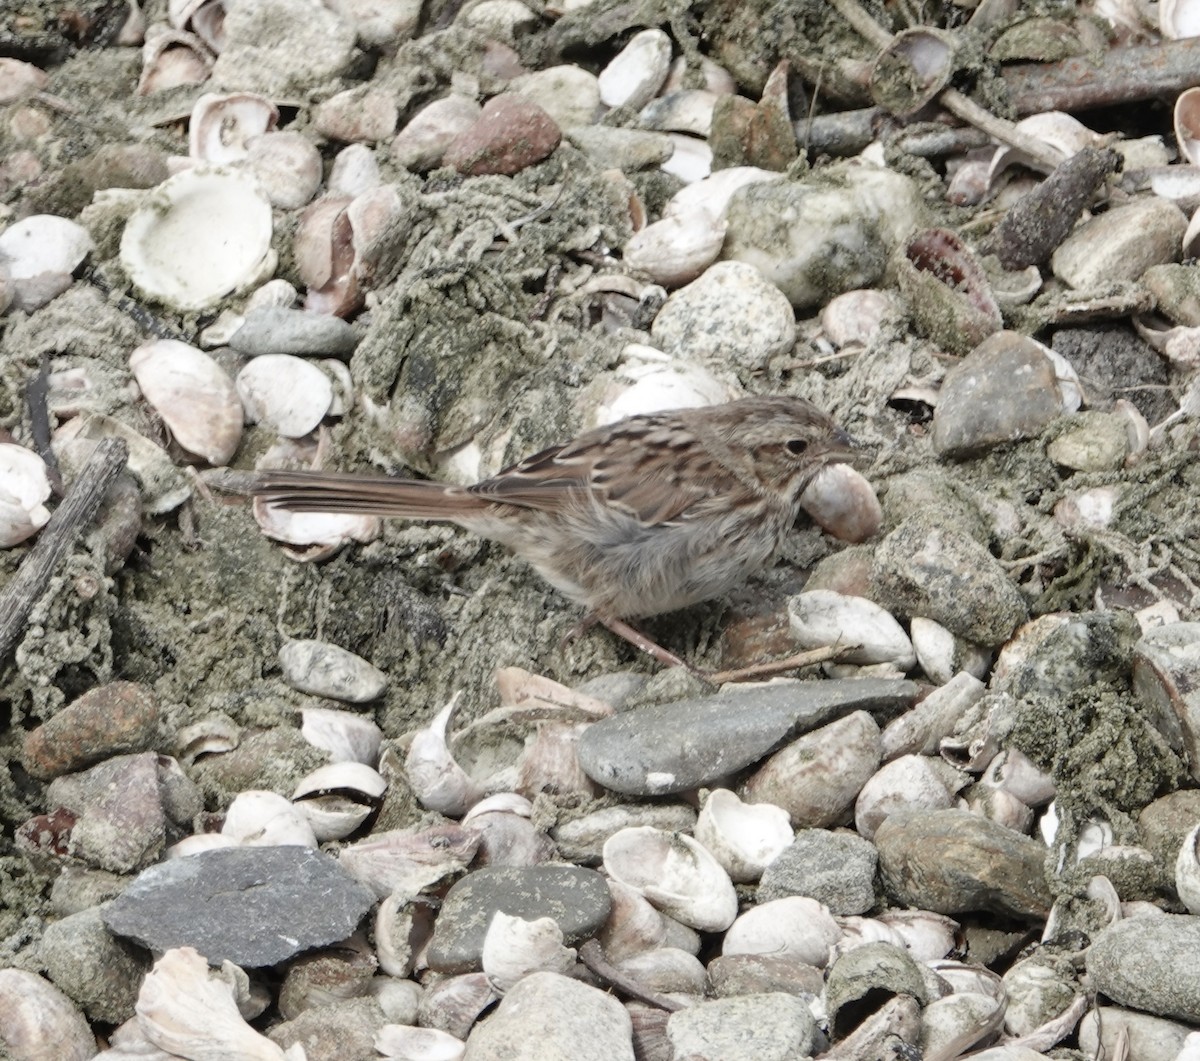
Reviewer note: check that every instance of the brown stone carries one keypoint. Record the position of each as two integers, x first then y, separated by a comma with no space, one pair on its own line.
510,134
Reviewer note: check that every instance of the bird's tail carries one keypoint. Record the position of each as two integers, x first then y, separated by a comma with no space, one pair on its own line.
364,495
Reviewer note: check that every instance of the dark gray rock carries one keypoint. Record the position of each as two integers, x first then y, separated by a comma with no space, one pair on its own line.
276,330
837,869
577,899
688,743
254,906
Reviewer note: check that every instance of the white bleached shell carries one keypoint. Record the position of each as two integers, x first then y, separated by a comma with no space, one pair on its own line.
941,654
633,924
405,862
437,781
649,381
1014,772
197,844
927,936
266,819
322,669
1062,133
795,927
404,1042
424,139
950,1026
188,1011
501,803
921,730
347,737
287,165
855,317
1178,19
171,58
912,781
40,253
816,777
715,191
1187,120
355,170
842,501
1187,871
637,72
285,392
221,125
691,160
199,236
677,249
206,18
194,396
823,617
1081,510
40,1023
513,948
338,797
403,925
326,532
675,873
455,1003
744,837
24,490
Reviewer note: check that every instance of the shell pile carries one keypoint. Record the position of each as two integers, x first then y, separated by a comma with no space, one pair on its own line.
300,785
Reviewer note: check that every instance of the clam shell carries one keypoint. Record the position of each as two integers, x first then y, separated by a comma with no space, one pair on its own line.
285,392
404,1042
744,837
822,617
266,819
24,489
637,72
194,396
221,125
40,253
513,948
200,235
795,927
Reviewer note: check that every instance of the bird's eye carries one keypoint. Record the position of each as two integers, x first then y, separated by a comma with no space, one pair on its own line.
797,446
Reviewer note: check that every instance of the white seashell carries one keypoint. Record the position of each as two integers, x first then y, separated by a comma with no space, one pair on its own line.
355,170
912,781
199,236
633,924
347,737
677,249
423,140
513,948
501,803
455,1003
1069,386
325,531
221,126
1062,133
857,931
950,1026
1187,871
668,970
437,781
1014,772
171,58
684,111
187,1011
715,191
922,729
288,166
402,926
1178,19
40,1022
550,762
870,634
1001,807
197,844
40,254
1083,510
403,863
942,655
637,72
795,927
1187,116
24,489
675,873
403,1042
206,18
194,396
691,160
266,819
854,318
284,392
744,837
338,797
927,936
649,381
841,501
322,669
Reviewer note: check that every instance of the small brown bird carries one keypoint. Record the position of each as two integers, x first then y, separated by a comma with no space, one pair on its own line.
643,516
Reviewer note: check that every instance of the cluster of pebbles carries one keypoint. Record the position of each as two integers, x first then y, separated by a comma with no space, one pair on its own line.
267,794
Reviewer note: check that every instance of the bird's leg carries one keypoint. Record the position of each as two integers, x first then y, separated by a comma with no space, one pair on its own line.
640,640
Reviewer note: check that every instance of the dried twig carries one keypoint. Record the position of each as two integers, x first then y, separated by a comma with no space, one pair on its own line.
592,956
78,509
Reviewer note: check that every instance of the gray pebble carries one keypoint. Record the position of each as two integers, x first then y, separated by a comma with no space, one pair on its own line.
835,868
276,330
254,906
102,974
681,745
1150,964
548,1017
576,898
769,1027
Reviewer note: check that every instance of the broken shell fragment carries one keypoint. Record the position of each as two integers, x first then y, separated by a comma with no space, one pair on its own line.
744,837
675,873
347,737
221,126
199,236
266,819
405,1042
194,396
867,633
171,58
339,797
407,862
513,948
39,254
24,490
794,927
636,74
437,780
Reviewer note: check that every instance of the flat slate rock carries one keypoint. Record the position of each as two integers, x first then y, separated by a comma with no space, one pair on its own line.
254,906
576,898
674,747
277,330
